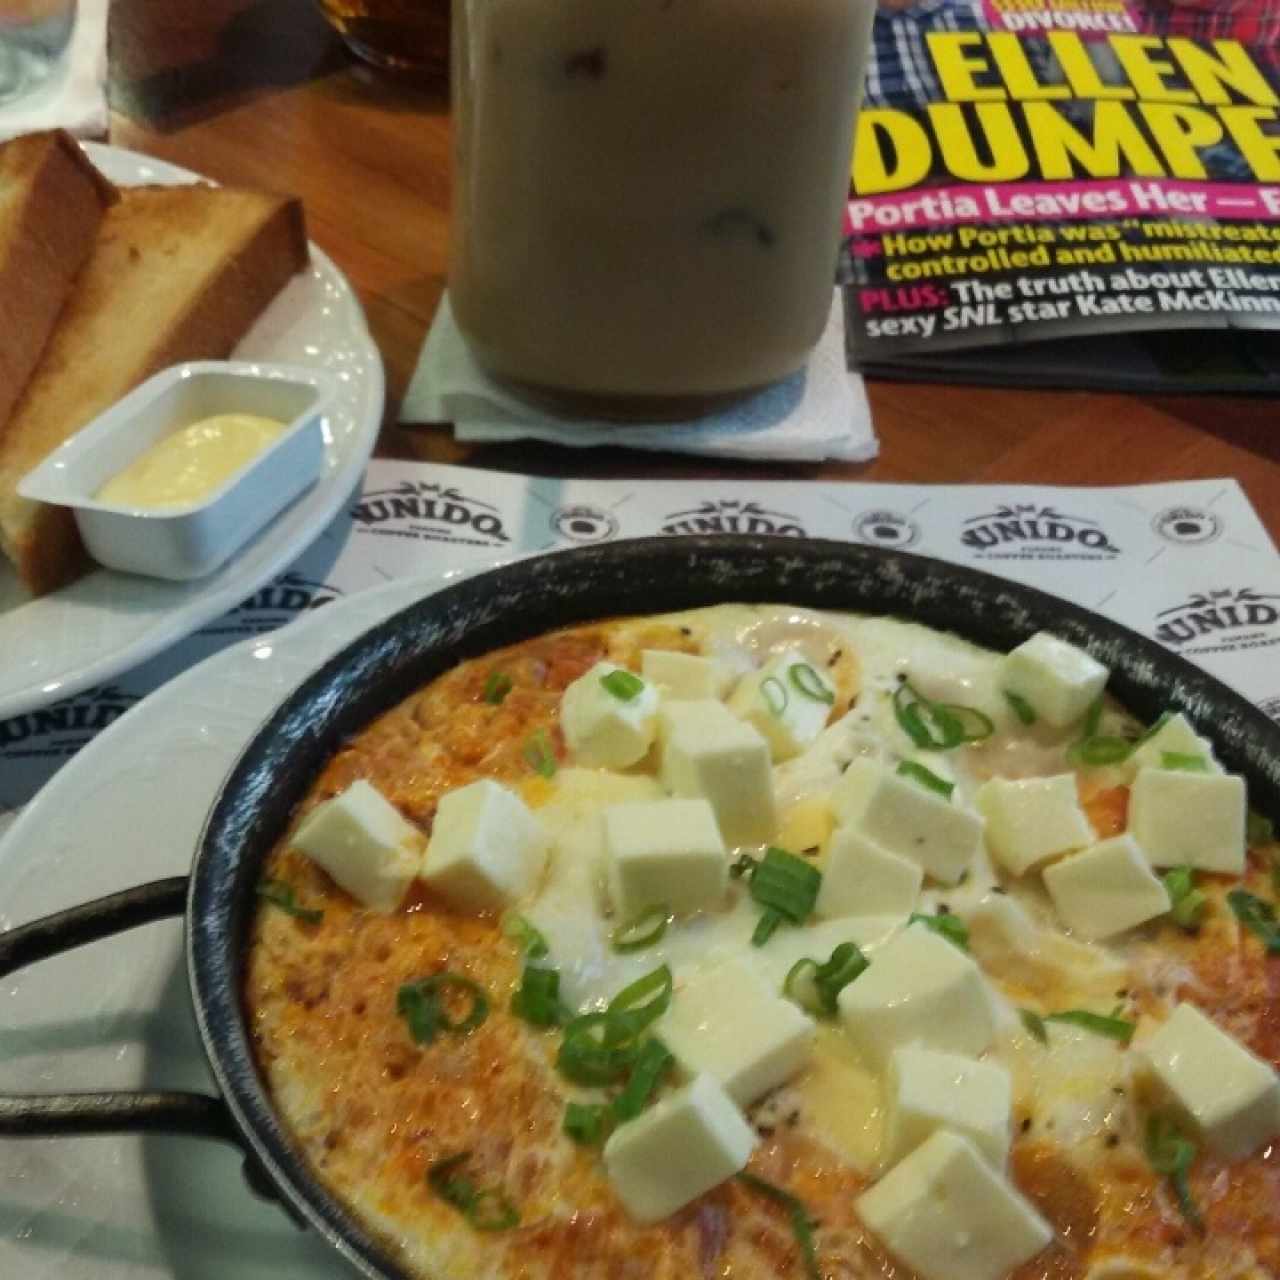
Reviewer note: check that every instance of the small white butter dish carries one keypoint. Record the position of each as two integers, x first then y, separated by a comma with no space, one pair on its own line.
192,540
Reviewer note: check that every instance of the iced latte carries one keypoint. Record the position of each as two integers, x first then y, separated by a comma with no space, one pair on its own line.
648,193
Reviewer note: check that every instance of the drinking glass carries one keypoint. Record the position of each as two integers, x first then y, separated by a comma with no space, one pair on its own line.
409,36
648,193
33,37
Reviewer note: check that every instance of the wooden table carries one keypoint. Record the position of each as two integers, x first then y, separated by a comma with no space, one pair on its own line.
260,92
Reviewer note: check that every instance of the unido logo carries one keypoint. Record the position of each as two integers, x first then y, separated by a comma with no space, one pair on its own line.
1226,618
271,606
430,512
64,727
731,515
1027,530
289,593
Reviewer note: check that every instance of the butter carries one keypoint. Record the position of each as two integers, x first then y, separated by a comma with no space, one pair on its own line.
188,465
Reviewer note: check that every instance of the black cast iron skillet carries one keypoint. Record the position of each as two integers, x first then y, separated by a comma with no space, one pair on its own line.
498,608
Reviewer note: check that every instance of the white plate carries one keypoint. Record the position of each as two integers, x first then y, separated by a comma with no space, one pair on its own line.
108,622
116,1014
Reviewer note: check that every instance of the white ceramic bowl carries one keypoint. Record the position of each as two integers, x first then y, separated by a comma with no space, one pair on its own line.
193,540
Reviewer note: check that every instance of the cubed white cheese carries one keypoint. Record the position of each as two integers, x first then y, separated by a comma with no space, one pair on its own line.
685,1144
707,751
601,728
1231,1097
907,819
1106,889
861,878
788,700
664,852
1189,819
360,839
1175,735
1032,819
919,989
486,848
928,1091
685,675
946,1214
725,1020
1060,681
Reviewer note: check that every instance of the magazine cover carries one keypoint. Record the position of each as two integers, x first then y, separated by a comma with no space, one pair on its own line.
1070,191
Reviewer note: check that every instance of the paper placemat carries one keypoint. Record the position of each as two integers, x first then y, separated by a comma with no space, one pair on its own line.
1189,564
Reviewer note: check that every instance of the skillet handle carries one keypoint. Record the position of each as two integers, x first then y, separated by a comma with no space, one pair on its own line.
62,1114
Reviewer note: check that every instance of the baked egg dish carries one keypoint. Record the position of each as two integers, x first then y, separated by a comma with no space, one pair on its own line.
755,942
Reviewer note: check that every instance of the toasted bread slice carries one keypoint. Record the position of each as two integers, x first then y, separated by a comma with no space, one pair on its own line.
52,201
178,273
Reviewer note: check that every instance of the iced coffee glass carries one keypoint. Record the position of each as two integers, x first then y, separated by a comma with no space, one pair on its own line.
647,193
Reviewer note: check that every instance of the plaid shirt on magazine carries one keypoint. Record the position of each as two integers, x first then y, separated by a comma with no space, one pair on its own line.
1255,23
901,72
1252,24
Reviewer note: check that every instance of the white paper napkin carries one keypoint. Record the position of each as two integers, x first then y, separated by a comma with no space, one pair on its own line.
819,413
74,96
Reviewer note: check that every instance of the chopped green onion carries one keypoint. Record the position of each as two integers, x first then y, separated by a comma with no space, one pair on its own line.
766,927
944,923
974,724
802,1224
646,929
774,693
1156,725
485,1209
422,1005
537,999
1258,829
540,754
1100,750
1171,1154
624,685
496,687
638,1005
600,1048
787,887
588,1123
1100,1024
938,726
1021,707
815,987
1093,748
1034,1024
1187,902
1184,761
1092,718
652,1062
585,1058
926,778
282,895
810,683
798,986
525,936
1257,916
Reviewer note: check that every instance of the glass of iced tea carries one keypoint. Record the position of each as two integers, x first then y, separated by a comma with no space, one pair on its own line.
648,193
408,36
